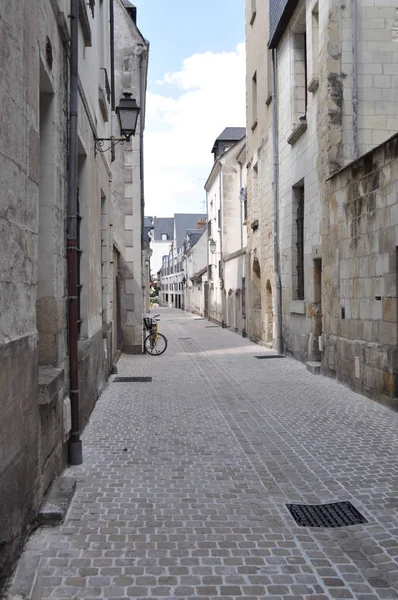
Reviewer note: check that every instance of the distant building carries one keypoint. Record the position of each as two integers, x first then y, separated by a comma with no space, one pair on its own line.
160,236
227,232
172,278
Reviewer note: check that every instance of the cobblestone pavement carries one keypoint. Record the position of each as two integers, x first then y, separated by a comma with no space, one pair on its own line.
185,481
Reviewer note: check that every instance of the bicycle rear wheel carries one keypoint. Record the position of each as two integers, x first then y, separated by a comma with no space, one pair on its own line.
155,348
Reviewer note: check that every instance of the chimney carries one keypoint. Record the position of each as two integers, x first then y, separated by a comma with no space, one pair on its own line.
201,224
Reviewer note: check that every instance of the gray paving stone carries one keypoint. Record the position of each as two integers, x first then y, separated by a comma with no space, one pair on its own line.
217,445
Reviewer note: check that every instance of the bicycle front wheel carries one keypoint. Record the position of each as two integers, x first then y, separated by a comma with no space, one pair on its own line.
153,346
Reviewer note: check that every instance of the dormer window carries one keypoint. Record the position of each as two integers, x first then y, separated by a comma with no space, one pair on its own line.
164,237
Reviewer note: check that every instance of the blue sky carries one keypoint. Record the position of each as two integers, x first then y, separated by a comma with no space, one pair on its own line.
177,29
196,88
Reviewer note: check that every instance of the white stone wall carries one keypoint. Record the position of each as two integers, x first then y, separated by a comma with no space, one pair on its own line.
214,192
159,249
297,166
377,74
195,260
130,53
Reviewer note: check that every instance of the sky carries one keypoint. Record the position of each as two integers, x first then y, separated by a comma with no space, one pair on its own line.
196,88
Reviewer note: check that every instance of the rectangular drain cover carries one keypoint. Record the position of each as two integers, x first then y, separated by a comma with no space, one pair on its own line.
184,338
132,379
264,356
211,326
338,514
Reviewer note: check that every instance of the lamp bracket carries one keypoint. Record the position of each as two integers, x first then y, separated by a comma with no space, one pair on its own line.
100,142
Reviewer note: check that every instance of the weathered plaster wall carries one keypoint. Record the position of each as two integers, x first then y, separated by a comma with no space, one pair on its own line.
360,275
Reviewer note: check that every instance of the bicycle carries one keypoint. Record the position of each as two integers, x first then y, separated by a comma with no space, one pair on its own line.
155,343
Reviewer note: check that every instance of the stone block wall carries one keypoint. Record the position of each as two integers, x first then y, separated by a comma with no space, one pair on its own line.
359,249
19,196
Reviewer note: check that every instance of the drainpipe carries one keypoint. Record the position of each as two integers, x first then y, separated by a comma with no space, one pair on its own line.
112,57
241,207
207,261
354,79
143,270
75,444
275,183
221,254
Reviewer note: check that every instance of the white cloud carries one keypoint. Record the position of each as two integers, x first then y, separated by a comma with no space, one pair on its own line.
208,95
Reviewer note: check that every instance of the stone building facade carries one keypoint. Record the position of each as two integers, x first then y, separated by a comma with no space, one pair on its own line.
334,100
187,227
225,229
260,277
359,249
194,265
130,274
35,407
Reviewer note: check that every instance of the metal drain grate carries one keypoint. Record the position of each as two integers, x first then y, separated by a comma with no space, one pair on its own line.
211,326
132,380
338,514
264,356
184,338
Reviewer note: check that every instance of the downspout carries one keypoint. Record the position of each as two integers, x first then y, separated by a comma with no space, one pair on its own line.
275,183
354,79
112,57
221,254
207,262
142,122
75,444
241,206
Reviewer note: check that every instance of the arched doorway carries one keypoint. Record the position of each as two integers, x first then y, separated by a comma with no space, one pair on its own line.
256,299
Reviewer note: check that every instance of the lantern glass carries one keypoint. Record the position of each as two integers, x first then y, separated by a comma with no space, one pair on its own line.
127,112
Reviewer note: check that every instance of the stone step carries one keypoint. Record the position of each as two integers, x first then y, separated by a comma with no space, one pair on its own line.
57,501
314,367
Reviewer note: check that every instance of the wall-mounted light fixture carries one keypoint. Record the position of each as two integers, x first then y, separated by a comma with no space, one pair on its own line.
127,113
213,246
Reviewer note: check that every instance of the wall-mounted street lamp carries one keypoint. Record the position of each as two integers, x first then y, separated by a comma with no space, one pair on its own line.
127,113
213,246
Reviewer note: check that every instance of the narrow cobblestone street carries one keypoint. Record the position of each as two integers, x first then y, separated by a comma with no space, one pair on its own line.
185,481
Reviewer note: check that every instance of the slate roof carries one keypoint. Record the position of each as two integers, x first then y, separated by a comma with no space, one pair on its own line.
183,222
163,225
231,134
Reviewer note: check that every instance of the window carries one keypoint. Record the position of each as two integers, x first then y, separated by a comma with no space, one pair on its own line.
269,77
164,237
254,101
315,49
209,228
253,11
300,75
300,242
219,218
243,197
